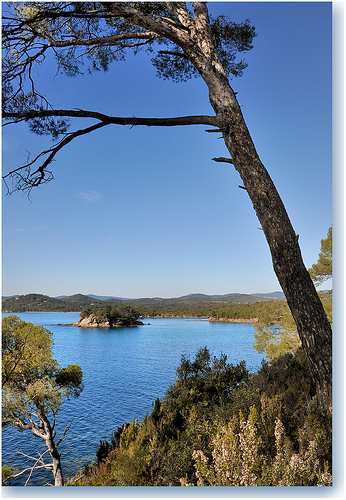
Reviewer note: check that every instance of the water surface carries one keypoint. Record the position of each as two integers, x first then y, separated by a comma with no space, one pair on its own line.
124,371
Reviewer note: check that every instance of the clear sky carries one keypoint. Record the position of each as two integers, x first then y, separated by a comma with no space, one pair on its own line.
145,212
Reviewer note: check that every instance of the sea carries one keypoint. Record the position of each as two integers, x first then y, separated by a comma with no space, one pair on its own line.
124,371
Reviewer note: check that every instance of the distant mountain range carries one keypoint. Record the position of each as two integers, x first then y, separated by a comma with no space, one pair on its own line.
271,295
75,303
97,297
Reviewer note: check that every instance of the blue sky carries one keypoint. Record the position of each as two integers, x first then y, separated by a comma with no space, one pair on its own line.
145,212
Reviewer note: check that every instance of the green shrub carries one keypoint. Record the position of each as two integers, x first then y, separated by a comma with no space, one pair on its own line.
220,425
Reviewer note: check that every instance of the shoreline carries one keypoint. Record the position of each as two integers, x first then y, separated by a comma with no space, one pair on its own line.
233,320
161,316
205,318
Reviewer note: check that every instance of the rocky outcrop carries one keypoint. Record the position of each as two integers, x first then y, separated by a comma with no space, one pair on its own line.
91,322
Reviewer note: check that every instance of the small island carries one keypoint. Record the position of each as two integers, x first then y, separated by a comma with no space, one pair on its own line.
108,317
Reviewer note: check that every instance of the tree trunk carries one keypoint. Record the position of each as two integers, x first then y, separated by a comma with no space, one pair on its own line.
313,326
57,469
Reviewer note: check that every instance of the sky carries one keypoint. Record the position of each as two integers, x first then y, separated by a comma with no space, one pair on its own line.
145,212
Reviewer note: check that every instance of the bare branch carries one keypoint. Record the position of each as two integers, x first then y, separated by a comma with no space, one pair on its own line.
46,466
222,159
105,40
108,119
29,180
34,467
215,130
67,428
172,53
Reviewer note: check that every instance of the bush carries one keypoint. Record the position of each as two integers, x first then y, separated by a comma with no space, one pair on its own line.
219,425
237,459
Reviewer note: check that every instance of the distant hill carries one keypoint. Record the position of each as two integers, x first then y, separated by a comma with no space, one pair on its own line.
203,295
34,302
75,303
272,295
230,298
81,300
106,297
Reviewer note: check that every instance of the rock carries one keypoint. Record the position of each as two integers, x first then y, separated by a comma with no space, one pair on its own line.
91,322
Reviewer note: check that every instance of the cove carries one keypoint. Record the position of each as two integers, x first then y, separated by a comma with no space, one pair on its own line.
124,371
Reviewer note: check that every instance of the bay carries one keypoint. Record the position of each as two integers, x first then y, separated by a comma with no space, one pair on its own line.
124,371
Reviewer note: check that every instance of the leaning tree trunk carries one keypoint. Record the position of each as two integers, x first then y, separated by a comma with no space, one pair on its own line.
194,37
313,326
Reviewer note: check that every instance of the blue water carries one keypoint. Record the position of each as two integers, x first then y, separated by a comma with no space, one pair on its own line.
124,371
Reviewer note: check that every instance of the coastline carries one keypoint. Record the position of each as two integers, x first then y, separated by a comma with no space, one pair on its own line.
233,320
160,316
205,318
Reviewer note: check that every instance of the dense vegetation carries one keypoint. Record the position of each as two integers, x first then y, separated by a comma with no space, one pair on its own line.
228,306
34,302
235,306
194,305
220,425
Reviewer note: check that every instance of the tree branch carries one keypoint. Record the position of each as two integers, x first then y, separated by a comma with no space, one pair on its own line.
41,176
26,179
224,160
67,428
105,40
108,119
172,53
180,10
201,17
165,28
31,469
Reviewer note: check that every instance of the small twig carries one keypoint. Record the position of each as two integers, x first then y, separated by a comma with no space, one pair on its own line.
214,130
35,466
222,159
67,428
172,53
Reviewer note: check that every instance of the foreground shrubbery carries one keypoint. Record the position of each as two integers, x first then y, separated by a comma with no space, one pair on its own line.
220,425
